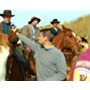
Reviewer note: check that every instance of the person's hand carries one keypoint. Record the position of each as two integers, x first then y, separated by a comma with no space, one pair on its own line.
13,35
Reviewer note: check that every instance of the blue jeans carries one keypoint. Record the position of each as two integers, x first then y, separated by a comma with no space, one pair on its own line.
23,63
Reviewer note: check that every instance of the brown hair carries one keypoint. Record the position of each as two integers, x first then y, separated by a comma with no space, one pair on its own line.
48,33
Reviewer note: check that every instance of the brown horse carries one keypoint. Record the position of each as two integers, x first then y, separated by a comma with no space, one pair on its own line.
14,64
10,69
67,42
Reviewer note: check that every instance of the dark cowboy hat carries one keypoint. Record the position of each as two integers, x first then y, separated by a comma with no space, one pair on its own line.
34,18
54,21
7,13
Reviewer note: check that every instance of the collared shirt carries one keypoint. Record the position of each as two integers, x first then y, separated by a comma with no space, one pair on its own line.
52,46
56,29
33,33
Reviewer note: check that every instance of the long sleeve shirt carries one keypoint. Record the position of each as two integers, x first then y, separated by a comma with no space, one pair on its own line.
5,28
50,63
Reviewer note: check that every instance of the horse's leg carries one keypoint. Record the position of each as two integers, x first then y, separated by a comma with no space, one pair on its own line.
8,68
69,64
33,68
14,71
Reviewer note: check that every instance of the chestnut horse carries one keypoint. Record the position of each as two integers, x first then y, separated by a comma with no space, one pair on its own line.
14,70
67,42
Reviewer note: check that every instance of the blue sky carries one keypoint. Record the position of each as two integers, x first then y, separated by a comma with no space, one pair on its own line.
63,10
22,17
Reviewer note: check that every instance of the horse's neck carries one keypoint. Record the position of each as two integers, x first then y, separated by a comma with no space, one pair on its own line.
58,40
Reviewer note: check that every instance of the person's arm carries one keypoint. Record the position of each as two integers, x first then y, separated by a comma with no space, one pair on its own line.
27,41
61,69
24,31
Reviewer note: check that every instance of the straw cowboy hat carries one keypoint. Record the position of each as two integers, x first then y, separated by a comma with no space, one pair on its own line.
34,18
54,21
7,13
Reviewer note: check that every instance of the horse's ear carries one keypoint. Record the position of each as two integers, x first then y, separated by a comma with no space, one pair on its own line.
63,27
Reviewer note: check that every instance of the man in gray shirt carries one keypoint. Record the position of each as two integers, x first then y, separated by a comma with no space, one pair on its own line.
50,61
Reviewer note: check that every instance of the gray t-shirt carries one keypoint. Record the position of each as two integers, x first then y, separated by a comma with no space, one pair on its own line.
50,63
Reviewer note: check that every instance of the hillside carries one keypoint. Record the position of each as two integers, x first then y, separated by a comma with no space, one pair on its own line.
81,26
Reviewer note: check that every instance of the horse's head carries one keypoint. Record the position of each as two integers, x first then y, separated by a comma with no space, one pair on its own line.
67,41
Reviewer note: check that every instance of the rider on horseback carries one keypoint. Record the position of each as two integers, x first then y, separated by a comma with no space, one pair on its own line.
6,28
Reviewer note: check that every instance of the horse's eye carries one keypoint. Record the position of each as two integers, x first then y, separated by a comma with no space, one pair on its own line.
70,36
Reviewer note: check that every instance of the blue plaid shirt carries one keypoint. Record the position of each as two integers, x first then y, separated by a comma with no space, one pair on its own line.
5,28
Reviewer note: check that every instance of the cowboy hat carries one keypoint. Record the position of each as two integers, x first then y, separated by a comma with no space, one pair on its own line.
54,21
33,19
7,13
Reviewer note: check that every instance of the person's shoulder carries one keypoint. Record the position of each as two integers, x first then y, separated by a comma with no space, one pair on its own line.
58,54
52,28
25,27
58,51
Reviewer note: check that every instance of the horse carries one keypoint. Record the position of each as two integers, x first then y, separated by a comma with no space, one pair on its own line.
67,42
29,73
4,53
10,69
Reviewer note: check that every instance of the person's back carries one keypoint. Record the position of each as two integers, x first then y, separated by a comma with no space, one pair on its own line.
50,64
